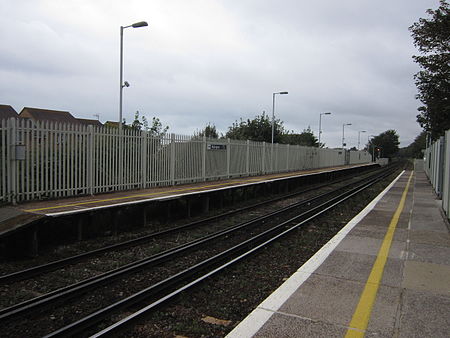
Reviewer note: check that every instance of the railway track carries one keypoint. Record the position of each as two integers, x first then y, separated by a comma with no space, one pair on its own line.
62,263
271,227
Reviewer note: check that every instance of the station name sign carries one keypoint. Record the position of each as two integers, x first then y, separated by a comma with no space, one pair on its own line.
217,147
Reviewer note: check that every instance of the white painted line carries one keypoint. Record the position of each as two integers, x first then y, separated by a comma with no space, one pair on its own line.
86,209
250,325
254,321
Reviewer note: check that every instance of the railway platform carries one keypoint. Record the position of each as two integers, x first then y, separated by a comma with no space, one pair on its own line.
14,218
385,274
124,198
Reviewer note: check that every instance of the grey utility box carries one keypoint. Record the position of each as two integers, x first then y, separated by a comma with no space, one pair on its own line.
18,152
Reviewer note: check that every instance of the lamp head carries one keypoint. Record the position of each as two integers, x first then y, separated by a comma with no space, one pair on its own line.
139,24
283,93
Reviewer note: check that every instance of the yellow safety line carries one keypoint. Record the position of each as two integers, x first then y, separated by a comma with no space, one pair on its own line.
162,192
361,316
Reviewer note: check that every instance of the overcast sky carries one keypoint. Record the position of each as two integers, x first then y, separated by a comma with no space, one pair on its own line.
215,61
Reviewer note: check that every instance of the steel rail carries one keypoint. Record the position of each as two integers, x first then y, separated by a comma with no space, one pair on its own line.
116,327
43,268
259,241
84,286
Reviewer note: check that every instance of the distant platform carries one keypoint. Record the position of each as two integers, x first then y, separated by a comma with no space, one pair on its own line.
34,222
87,203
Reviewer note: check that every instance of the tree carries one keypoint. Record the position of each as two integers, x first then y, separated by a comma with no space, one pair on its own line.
209,131
415,149
136,124
419,145
386,143
155,130
305,138
432,38
258,129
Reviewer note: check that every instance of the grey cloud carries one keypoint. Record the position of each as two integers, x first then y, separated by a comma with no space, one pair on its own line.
222,62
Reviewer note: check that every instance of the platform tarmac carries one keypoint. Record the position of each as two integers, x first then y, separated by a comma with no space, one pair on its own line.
385,274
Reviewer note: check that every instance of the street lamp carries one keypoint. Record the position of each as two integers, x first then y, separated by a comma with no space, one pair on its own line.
320,124
273,110
125,84
343,139
359,136
373,146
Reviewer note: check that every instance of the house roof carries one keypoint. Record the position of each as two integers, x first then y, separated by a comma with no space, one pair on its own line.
6,111
39,114
89,122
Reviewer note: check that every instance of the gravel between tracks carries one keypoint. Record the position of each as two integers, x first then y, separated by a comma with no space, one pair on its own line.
230,296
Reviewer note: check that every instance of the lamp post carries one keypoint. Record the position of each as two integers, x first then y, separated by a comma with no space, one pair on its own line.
126,84
373,147
359,136
343,139
273,126
320,124
273,110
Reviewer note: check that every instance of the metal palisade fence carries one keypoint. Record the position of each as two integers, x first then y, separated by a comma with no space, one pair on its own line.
437,168
41,160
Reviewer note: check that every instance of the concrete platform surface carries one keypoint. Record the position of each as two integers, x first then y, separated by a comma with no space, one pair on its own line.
396,251
12,218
